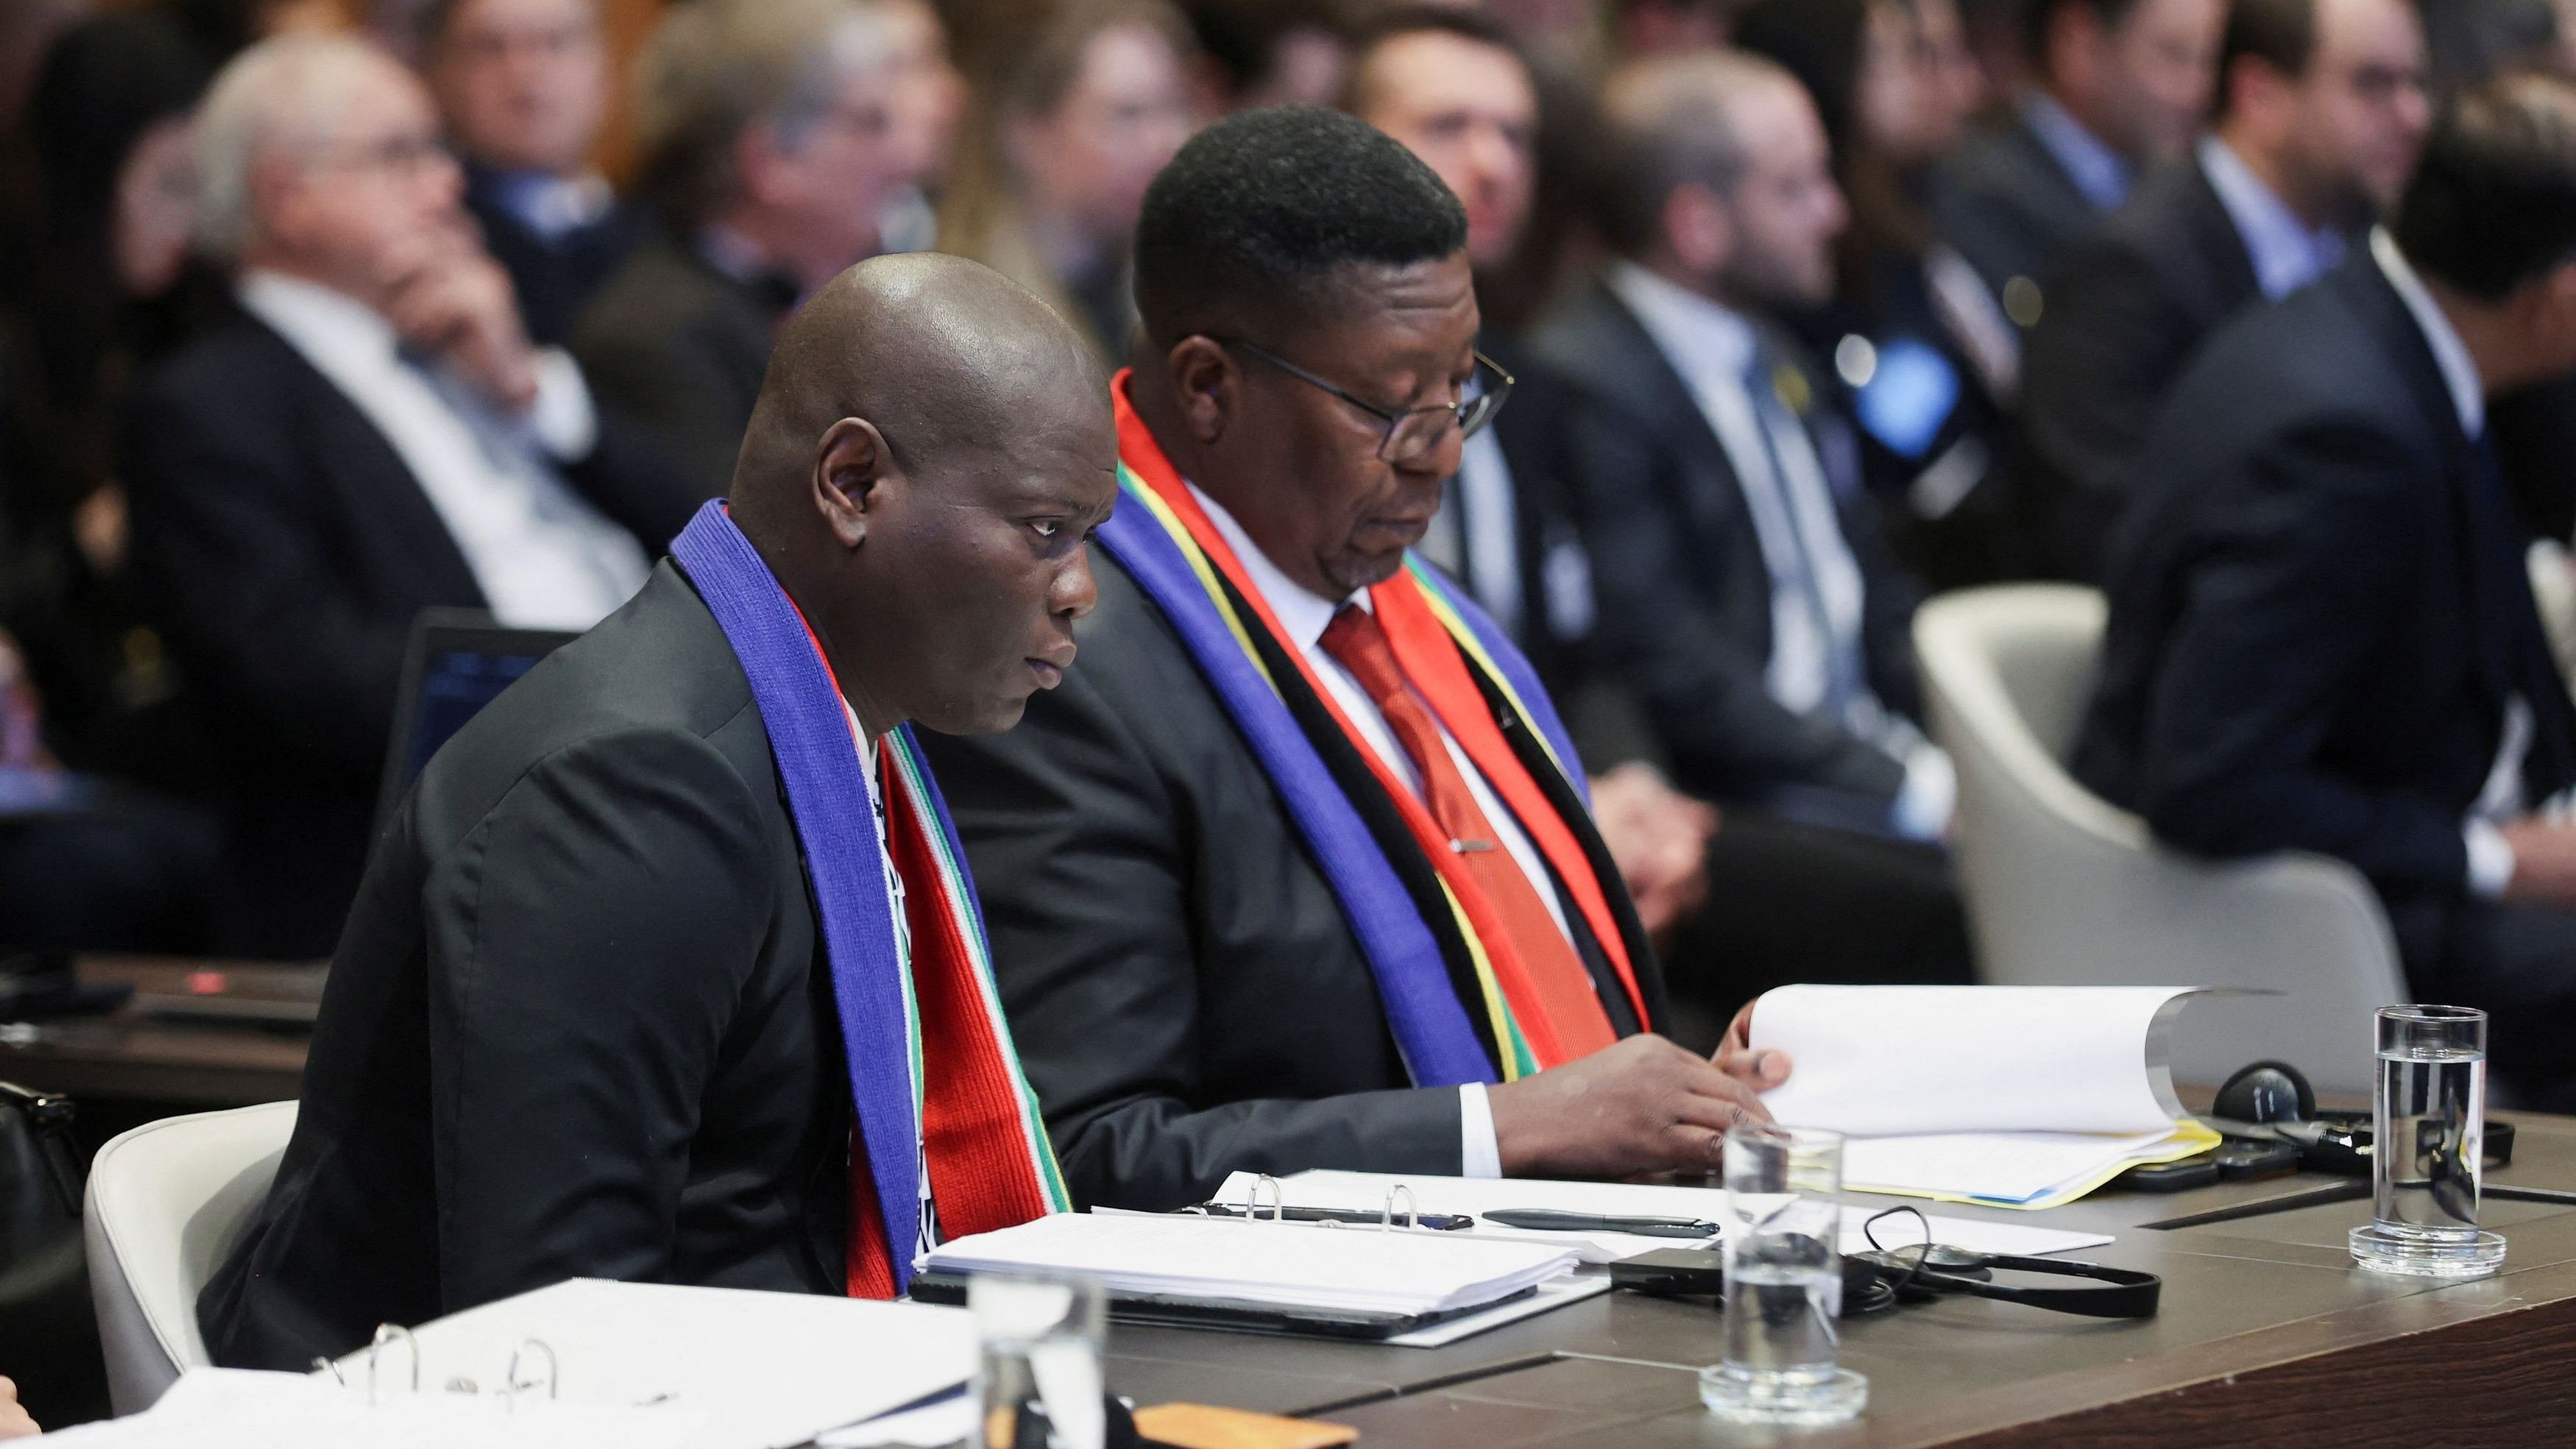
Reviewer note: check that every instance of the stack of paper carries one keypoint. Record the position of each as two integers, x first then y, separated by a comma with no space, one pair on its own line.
1282,1265
240,1409
1367,1192
2013,1096
748,1370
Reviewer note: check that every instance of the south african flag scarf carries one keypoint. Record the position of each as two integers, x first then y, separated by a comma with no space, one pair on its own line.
1457,1002
932,1072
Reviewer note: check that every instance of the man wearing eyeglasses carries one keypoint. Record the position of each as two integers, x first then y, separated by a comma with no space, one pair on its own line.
1295,870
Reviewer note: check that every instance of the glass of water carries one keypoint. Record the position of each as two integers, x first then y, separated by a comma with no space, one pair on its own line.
1040,1342
2428,1147
1784,1282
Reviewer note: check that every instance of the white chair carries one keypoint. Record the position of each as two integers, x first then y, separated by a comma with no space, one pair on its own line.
166,1202
2064,889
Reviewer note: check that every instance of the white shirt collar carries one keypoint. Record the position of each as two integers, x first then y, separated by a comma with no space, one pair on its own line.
2287,253
1302,612
317,319
2459,370
2102,174
1704,338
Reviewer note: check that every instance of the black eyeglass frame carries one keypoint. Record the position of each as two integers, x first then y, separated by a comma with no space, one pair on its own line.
1471,414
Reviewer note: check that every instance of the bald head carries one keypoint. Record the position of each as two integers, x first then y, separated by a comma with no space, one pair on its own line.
931,449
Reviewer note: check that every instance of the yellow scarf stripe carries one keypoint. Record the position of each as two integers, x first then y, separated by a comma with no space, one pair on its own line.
1474,649
1514,1053
1199,565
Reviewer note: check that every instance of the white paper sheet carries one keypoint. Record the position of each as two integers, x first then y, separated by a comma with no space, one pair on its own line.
1548,1297
2010,1168
243,1409
757,1370
1476,1196
1888,1060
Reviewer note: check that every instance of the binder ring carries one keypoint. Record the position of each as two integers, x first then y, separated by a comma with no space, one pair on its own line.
552,1369
324,1365
1412,1214
1278,1200
387,1333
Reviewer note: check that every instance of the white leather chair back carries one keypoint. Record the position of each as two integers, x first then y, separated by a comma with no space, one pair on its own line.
166,1203
2065,889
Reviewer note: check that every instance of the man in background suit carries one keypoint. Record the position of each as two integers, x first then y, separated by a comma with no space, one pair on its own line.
1273,881
771,147
2323,111
2121,86
583,1023
1745,588
370,435
1454,87
2322,636
523,85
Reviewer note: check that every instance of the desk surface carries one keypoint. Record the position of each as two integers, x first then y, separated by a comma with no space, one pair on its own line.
2267,1335
161,1046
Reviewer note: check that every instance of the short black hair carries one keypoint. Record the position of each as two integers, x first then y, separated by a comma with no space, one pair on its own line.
2493,203
2039,17
2280,33
2472,41
1261,213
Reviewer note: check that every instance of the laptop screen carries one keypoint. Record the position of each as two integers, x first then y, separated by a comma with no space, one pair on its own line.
459,661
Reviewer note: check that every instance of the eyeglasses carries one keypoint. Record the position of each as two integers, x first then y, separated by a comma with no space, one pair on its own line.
1410,436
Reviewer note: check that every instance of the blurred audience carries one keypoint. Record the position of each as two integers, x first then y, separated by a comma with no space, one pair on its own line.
928,101
368,435
772,144
1085,112
1454,87
1743,582
1256,53
1931,362
2323,111
2119,88
523,86
1641,29
2322,635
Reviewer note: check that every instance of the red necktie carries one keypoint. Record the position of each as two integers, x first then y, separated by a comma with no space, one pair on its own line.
1564,986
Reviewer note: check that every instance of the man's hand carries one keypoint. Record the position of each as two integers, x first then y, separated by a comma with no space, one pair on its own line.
447,297
1642,1106
14,1423
1659,839
2544,863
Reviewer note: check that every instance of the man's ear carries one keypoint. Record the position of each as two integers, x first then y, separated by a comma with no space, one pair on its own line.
1208,384
1698,229
851,470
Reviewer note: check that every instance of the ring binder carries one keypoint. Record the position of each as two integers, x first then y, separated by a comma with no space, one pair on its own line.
387,1333
1412,1210
516,1385
1278,1200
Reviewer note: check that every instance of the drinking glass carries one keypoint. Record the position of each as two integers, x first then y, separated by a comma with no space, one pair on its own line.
1784,1282
2428,1147
1040,1343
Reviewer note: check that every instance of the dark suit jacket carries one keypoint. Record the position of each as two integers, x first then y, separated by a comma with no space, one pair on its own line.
1186,994
2318,614
579,1025
2127,309
1685,597
287,550
2006,205
682,347
556,278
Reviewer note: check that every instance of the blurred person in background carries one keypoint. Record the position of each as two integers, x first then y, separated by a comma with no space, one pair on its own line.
1084,112
1640,29
1930,362
1269,52
2119,88
771,143
929,99
1745,586
1454,87
523,86
368,434
2323,110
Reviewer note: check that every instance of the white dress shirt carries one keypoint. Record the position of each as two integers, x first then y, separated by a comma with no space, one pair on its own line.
1304,616
2490,855
1817,598
543,557
2287,252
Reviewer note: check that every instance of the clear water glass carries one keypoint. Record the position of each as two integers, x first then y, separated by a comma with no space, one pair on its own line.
1784,1282
2428,1147
1039,1353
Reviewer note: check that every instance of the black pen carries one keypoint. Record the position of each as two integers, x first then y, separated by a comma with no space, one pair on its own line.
1547,1221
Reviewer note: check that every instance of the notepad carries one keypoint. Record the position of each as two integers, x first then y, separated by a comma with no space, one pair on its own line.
1475,1196
2003,1096
1282,1265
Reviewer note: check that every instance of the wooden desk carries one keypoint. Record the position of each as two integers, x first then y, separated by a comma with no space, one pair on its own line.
2267,1336
141,1053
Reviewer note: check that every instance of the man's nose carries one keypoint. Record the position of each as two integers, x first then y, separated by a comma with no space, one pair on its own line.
1073,593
